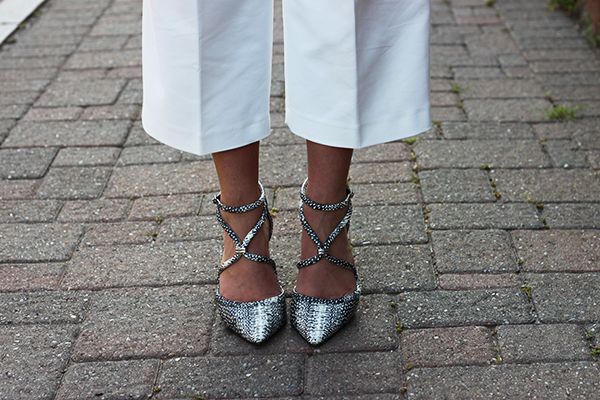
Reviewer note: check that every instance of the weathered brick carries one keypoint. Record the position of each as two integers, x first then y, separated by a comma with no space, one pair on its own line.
547,185
484,216
250,376
81,93
175,321
28,210
76,133
442,347
455,185
52,114
119,233
43,307
148,155
101,210
124,379
566,297
539,343
576,380
162,179
388,224
150,208
352,373
471,307
558,250
573,215
86,157
32,359
478,281
473,251
38,242
30,277
506,110
380,172
74,183
25,163
167,264
477,153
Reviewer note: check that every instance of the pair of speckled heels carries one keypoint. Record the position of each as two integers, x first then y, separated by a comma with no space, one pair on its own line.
315,319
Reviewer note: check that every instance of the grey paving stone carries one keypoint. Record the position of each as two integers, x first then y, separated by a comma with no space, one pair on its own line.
547,185
380,172
27,62
23,85
30,277
33,357
440,71
124,72
76,133
74,183
593,158
28,210
473,251
577,94
565,66
101,210
120,233
20,74
162,179
574,380
455,185
52,114
75,75
443,99
150,208
104,59
149,155
54,307
477,73
13,111
132,94
352,373
491,45
108,380
388,224
86,157
506,110
571,79
573,215
18,189
447,114
250,376
395,268
553,131
395,151
470,307
138,137
442,347
190,228
478,281
38,242
484,216
501,88
81,93
100,43
558,250
175,322
25,163
127,265
585,133
566,297
282,136
477,153
111,112
513,60
540,343
564,153
116,26
282,165
17,51
487,130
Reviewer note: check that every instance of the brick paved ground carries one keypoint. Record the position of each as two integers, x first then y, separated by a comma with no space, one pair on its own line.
108,247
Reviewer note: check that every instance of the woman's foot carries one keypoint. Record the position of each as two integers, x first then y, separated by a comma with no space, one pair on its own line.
324,279
247,280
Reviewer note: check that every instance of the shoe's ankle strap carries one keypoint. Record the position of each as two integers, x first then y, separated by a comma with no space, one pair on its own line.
241,209
325,207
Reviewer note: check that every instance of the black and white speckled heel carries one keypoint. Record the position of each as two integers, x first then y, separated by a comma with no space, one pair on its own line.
318,319
255,321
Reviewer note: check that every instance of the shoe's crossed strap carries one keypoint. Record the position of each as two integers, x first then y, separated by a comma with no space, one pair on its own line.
323,248
241,245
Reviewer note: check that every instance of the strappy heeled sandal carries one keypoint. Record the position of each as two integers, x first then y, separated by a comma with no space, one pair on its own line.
318,319
255,321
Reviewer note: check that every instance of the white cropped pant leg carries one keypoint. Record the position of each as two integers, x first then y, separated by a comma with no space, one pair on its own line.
357,71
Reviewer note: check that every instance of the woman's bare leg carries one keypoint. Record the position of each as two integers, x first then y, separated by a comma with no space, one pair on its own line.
245,280
327,178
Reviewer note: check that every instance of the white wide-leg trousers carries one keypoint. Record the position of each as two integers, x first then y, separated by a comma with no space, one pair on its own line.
356,71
